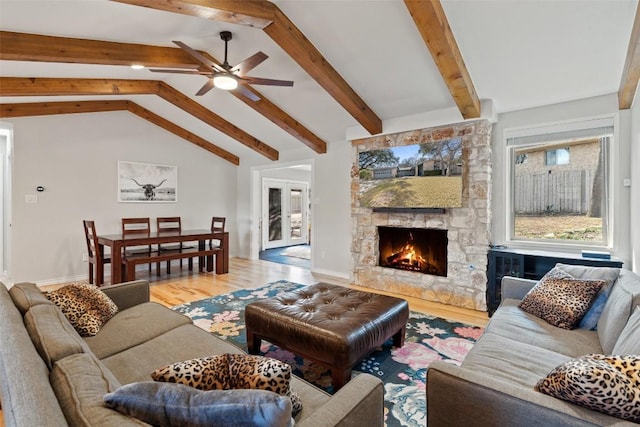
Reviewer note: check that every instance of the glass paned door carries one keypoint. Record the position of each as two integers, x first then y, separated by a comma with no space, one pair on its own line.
275,214
285,214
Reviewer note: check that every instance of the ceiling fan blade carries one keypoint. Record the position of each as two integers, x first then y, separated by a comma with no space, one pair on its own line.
167,70
206,88
200,57
246,92
263,81
249,64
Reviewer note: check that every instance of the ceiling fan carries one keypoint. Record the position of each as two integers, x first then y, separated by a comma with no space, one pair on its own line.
225,76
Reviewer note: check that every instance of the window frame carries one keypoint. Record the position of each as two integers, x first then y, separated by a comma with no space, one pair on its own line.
544,133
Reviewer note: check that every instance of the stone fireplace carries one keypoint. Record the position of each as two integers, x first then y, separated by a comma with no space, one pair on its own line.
461,234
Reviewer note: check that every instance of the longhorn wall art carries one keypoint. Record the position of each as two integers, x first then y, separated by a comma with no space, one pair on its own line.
146,182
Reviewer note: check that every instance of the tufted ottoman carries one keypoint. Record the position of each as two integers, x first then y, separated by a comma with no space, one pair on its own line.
328,324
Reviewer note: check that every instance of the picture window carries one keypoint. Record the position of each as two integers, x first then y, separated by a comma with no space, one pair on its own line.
567,204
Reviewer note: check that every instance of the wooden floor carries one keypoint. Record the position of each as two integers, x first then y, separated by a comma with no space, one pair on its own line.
184,286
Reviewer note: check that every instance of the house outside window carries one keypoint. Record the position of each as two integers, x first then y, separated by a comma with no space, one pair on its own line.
558,156
560,186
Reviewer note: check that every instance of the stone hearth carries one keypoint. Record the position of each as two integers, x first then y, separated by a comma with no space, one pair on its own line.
467,227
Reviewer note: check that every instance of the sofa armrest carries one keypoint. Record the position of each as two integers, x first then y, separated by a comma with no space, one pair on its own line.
515,287
456,395
359,402
128,294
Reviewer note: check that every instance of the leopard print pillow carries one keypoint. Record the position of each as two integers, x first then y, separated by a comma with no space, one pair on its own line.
560,300
232,371
86,307
608,384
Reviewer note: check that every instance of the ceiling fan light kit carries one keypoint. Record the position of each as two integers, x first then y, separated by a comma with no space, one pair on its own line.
225,81
225,76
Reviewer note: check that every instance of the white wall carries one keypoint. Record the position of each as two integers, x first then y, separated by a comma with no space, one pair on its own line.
75,158
331,227
635,184
288,174
621,155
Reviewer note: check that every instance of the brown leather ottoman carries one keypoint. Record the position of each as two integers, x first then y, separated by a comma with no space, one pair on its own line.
328,324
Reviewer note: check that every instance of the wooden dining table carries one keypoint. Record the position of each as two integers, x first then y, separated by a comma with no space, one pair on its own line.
117,242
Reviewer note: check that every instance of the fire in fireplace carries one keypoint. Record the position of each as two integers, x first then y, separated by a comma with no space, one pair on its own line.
422,250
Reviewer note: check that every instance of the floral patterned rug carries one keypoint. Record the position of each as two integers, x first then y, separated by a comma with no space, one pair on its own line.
403,370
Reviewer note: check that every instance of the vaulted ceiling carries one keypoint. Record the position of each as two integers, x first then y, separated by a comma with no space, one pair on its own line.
353,62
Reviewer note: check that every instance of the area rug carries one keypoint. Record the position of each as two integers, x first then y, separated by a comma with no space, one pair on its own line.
301,251
402,370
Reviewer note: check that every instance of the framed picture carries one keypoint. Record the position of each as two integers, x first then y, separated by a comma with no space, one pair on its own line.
146,182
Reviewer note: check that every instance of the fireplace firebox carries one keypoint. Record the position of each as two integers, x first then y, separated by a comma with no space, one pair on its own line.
422,250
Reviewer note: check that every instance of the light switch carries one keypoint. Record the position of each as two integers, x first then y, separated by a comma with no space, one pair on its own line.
31,198
626,182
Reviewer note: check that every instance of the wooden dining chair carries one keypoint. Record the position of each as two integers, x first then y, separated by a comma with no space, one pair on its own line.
171,224
139,227
217,225
94,254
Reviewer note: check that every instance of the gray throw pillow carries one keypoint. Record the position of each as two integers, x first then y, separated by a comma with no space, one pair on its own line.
164,404
629,339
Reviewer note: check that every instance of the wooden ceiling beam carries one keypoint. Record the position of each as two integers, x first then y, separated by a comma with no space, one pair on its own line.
631,71
32,86
250,13
283,120
433,26
30,47
39,48
53,108
181,132
300,49
75,107
284,32
19,86
187,104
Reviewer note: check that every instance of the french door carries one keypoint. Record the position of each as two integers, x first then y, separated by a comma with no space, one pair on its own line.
285,213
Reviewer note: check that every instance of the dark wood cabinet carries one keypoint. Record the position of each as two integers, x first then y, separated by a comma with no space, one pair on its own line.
530,264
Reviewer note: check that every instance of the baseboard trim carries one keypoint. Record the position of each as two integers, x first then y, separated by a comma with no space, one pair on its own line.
329,274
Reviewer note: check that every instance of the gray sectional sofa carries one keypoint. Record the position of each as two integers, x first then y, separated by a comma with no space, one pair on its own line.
50,376
494,386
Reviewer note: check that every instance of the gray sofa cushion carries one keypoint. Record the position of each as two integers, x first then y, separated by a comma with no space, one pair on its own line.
52,334
80,382
513,323
524,364
616,312
183,343
629,340
23,374
608,274
149,320
26,295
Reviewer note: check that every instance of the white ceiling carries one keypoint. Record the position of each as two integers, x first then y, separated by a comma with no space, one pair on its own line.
519,53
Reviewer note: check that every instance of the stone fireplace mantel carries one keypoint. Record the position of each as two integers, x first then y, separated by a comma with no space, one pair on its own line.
467,227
